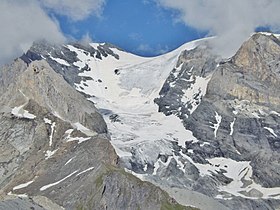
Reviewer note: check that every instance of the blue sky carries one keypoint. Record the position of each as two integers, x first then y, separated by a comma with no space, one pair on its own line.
137,26
143,27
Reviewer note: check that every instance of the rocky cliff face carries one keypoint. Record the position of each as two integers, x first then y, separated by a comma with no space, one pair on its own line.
55,151
236,124
202,128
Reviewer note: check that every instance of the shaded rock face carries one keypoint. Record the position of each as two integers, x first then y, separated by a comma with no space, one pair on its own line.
237,119
55,152
247,89
193,67
44,50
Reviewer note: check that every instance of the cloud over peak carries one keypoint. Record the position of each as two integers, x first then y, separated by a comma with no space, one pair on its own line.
233,21
23,22
74,9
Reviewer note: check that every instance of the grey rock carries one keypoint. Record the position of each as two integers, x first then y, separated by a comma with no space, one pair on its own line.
53,161
247,83
243,90
19,204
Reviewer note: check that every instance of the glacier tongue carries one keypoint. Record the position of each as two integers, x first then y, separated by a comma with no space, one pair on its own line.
124,90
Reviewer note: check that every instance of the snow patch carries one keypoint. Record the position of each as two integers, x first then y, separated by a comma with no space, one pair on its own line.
241,173
58,182
47,121
271,131
177,70
69,161
82,172
51,135
60,61
255,115
193,95
235,112
180,165
81,55
79,139
217,124
231,126
18,195
145,167
49,153
23,185
21,113
158,164
248,109
84,130
275,113
204,143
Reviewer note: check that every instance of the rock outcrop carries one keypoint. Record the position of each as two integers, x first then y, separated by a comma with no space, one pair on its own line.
237,120
55,150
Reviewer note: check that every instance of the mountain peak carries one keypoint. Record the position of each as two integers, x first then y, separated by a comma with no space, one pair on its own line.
258,49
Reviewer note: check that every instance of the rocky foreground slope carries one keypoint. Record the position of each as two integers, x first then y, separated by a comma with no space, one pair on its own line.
202,128
55,151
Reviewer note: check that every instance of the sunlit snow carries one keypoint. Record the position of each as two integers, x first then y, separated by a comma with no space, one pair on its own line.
21,113
130,93
84,130
23,185
69,161
60,61
232,126
50,153
216,125
58,182
79,139
271,131
84,171
194,94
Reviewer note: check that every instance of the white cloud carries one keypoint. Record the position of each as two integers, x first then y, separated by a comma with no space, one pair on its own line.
135,36
162,49
21,23
146,2
86,39
153,51
232,20
75,9
145,48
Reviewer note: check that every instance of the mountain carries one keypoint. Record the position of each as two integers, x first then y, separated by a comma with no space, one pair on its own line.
80,122
55,149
